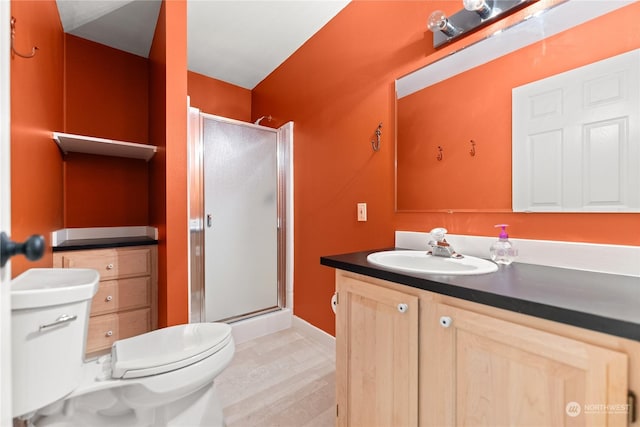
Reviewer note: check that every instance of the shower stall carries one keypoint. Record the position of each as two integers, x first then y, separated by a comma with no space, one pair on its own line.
239,197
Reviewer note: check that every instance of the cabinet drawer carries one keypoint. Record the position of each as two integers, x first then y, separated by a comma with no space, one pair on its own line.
111,263
104,330
135,322
122,294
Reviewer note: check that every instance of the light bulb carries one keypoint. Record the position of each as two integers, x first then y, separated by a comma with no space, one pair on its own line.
473,5
438,21
479,6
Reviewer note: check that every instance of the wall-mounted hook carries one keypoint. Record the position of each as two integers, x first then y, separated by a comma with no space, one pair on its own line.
375,143
13,36
473,148
439,156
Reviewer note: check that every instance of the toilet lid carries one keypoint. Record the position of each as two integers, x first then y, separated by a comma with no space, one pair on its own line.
167,349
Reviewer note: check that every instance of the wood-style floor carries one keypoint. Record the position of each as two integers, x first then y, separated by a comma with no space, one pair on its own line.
286,379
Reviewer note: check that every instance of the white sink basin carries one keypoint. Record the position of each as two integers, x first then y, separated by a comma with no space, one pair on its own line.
44,287
421,262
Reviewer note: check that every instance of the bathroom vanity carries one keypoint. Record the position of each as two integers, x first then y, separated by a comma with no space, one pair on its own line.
526,345
126,302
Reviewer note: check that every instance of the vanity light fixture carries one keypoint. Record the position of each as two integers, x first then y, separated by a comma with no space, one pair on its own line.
476,14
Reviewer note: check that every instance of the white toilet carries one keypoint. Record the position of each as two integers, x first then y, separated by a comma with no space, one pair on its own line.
161,378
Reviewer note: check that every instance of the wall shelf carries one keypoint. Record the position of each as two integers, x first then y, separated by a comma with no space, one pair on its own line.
105,147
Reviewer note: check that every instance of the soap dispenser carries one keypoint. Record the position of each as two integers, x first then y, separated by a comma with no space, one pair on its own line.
502,251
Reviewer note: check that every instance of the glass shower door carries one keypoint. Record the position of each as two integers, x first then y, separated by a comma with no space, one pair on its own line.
240,218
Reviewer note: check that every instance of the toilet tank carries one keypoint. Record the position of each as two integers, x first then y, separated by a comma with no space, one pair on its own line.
49,320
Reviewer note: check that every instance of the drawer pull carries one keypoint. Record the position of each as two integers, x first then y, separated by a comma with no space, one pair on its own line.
402,308
109,266
59,321
108,298
108,334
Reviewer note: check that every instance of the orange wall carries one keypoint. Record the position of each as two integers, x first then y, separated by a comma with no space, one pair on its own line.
36,111
336,88
168,130
106,91
115,98
102,191
107,96
220,98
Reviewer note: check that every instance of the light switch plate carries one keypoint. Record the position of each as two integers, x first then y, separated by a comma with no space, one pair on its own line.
362,211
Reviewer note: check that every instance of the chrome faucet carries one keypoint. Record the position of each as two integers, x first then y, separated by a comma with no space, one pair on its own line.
440,246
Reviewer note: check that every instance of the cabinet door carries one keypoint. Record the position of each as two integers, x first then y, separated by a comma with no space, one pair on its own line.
376,355
482,371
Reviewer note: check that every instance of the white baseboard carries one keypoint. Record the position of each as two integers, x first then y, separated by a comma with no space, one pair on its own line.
259,326
265,324
317,335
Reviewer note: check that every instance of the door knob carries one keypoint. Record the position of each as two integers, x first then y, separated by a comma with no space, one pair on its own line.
32,248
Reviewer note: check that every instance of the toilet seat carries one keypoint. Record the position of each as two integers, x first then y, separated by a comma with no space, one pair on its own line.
167,349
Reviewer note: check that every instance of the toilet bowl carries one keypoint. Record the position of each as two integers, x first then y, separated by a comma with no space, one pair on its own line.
161,378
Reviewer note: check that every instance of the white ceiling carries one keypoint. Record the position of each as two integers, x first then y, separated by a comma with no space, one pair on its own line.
236,41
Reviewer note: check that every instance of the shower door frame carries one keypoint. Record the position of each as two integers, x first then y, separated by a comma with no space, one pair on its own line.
197,260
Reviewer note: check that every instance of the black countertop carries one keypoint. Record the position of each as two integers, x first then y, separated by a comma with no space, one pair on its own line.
600,302
103,243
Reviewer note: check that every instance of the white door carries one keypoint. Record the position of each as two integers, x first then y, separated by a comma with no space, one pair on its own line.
241,218
5,219
576,139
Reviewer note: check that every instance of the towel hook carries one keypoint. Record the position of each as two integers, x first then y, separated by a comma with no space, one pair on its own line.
439,156
13,36
375,144
473,148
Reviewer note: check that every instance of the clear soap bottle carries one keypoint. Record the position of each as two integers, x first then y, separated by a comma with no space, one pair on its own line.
502,251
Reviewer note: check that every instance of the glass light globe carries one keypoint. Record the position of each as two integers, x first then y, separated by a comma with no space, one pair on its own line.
437,21
479,6
473,5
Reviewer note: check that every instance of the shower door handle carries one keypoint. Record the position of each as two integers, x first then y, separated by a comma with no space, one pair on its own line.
209,218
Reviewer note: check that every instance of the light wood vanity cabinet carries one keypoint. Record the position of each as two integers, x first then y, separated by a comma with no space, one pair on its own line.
126,301
487,371
476,365
377,356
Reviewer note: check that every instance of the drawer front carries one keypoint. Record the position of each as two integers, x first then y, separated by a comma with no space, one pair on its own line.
134,262
111,263
103,331
106,299
122,294
104,261
135,322
134,293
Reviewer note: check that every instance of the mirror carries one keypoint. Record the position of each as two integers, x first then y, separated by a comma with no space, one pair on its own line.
454,116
